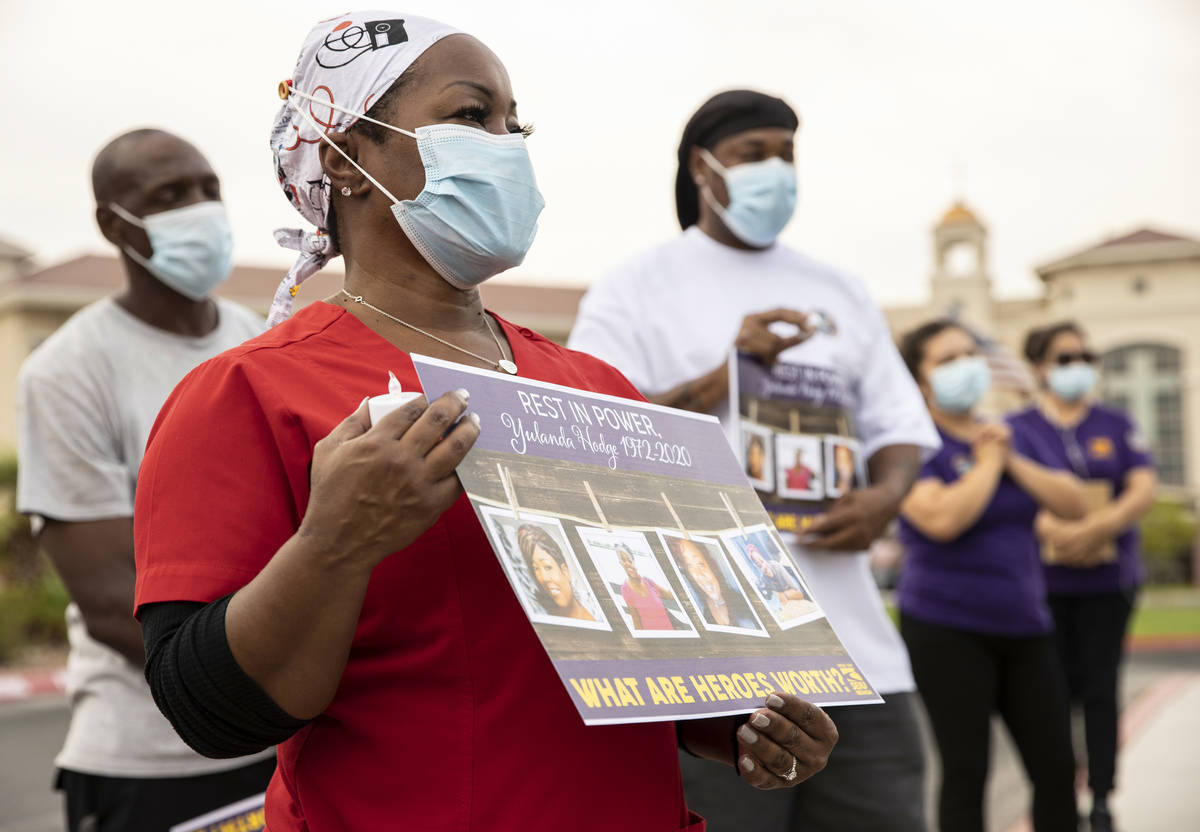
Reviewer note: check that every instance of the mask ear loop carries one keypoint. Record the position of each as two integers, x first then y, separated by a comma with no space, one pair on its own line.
323,135
286,90
712,162
136,222
705,191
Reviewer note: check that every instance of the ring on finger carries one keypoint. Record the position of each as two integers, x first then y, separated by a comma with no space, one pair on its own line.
791,775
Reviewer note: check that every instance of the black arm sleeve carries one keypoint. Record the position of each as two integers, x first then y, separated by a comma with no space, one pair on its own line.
198,685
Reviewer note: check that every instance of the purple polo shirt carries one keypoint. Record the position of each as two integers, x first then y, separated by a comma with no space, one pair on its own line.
1103,446
989,579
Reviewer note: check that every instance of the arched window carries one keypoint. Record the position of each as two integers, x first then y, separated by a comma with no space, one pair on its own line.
1145,380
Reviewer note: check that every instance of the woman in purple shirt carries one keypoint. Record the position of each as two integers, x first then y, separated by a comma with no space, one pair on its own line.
971,596
1097,563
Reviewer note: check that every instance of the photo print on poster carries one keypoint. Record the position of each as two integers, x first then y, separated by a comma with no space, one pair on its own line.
759,454
845,468
771,572
799,464
637,583
711,584
543,569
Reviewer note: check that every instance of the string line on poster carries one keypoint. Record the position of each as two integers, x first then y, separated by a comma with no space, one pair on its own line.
515,507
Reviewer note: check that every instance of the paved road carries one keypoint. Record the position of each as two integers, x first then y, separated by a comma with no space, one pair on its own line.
1008,790
30,735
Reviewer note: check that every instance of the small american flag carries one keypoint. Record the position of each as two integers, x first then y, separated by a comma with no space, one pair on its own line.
1009,372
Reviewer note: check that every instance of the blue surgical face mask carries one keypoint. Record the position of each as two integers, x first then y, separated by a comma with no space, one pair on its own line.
1074,381
477,214
762,198
959,385
191,247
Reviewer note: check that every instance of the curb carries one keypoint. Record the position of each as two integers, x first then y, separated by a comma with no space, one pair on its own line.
19,686
1134,720
1162,643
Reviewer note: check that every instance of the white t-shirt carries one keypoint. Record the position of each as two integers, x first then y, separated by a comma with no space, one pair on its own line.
672,313
86,400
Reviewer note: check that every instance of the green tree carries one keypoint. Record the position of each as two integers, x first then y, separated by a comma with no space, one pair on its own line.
1168,535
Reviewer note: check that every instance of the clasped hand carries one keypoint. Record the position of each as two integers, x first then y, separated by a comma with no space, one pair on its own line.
1076,542
992,444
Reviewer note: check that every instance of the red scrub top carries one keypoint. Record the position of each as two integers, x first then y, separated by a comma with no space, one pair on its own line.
449,715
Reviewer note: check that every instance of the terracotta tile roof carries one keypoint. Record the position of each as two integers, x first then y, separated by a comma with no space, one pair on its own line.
256,284
12,251
1142,246
1145,235
959,214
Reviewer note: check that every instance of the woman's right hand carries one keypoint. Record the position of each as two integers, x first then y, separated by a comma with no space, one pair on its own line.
374,489
991,444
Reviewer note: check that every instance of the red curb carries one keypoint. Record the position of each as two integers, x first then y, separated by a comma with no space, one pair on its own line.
1136,718
1166,641
18,686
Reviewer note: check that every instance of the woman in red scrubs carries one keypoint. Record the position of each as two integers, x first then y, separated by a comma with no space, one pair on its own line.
311,580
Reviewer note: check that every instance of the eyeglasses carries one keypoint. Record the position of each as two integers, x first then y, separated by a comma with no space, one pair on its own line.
1065,358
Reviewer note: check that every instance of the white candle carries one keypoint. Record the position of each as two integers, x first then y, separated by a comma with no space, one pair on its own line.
819,322
380,406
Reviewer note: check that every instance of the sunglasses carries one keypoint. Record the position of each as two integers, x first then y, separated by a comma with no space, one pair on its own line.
1065,358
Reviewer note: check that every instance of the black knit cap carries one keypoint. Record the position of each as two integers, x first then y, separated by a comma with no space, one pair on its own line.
726,113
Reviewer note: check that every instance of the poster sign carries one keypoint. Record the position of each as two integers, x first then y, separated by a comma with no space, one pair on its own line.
641,555
244,816
795,436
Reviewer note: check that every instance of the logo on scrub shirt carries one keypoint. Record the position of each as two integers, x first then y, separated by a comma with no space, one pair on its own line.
1100,447
349,41
961,463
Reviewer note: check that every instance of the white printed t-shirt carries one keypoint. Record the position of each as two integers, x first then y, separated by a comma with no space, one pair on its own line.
671,315
86,400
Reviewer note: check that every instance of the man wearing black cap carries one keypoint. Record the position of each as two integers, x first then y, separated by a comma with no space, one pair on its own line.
668,320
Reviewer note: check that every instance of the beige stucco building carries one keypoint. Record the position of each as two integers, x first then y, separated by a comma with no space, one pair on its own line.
35,302
1137,295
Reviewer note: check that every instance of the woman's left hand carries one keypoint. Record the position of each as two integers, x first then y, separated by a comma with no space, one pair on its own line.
784,743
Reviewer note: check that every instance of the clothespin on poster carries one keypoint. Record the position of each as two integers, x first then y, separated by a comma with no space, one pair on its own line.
736,517
509,491
752,411
675,515
843,425
596,505
794,416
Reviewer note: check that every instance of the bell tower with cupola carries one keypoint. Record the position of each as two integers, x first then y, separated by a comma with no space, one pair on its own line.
961,286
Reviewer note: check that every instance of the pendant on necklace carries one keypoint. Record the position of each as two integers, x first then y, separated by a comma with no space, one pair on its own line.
507,366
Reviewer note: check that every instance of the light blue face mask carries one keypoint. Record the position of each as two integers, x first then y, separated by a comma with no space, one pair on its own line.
191,247
1074,381
477,214
762,198
959,385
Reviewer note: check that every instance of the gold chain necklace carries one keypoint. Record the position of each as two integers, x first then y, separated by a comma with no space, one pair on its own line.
502,364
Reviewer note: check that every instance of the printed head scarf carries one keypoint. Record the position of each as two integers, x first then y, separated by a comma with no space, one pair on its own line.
723,115
349,61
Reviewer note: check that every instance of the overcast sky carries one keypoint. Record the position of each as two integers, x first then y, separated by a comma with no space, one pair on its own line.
1059,121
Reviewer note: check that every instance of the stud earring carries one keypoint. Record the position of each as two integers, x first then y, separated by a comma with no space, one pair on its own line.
346,190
